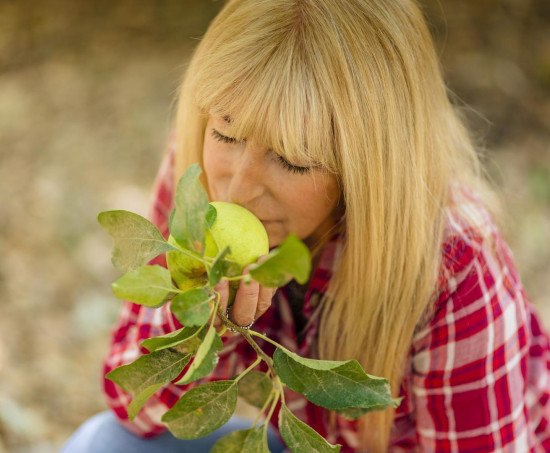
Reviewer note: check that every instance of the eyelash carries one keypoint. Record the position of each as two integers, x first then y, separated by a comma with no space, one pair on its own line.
288,166
223,138
292,168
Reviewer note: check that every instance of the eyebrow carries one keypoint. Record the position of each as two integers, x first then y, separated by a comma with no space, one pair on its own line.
227,119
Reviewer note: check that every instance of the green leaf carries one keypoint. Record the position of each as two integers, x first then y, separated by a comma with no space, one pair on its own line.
222,267
172,340
188,220
232,442
255,387
244,441
147,374
202,409
211,215
141,398
300,437
136,241
218,266
192,308
147,285
290,260
206,358
256,442
192,344
353,413
333,384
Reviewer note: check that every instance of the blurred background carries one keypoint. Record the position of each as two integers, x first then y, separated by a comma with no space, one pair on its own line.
86,101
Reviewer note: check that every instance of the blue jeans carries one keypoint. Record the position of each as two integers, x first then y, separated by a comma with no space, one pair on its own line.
104,434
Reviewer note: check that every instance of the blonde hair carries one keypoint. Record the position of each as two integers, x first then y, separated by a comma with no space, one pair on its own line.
356,86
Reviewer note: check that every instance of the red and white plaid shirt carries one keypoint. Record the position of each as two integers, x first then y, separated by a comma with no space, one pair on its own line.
478,374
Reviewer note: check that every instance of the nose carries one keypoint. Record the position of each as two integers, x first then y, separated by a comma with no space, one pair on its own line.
247,179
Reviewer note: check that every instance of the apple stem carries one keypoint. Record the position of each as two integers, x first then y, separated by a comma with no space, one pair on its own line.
281,388
264,407
271,410
245,372
235,279
269,340
206,261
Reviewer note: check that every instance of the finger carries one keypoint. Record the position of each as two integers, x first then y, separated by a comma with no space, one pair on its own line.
246,301
264,300
262,258
266,295
223,289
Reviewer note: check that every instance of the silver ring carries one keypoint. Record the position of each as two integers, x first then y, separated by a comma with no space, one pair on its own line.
240,327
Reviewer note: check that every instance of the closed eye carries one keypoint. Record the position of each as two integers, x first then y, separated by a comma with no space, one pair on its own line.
292,168
287,165
224,138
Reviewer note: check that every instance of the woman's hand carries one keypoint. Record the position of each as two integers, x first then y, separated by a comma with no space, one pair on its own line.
251,301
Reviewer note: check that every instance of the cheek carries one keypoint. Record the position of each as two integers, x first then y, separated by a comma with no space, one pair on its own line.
215,165
208,157
312,204
321,195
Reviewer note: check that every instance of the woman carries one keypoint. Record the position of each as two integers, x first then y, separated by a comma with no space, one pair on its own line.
330,119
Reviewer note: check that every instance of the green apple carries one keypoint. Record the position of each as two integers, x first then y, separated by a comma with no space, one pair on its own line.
188,272
235,227
241,230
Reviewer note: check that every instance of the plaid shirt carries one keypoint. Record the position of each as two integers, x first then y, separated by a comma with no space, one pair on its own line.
477,378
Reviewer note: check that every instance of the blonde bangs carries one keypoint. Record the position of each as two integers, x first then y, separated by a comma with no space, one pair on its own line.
269,91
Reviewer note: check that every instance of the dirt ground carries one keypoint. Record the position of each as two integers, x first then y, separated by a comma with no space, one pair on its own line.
86,98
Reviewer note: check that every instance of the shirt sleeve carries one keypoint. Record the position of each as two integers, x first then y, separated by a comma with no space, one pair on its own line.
469,365
136,323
